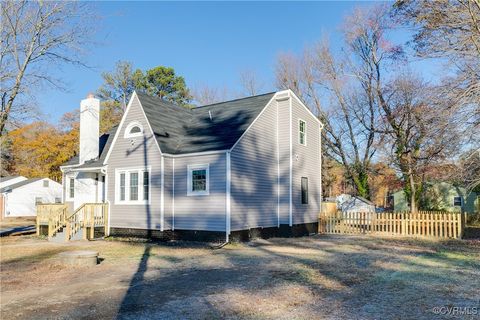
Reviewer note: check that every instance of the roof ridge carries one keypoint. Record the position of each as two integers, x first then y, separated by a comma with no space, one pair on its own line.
226,101
162,100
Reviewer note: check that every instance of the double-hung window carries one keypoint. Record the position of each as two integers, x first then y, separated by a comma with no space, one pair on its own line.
302,132
198,180
132,186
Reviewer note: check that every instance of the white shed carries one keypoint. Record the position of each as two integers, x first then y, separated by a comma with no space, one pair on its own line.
349,203
20,199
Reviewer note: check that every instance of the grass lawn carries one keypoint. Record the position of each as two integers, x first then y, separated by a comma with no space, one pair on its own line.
333,277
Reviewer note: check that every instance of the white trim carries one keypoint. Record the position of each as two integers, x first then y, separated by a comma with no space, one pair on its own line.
109,206
227,202
162,196
309,111
93,169
134,95
305,133
127,172
130,126
320,158
173,194
290,209
253,122
203,153
190,168
67,191
278,170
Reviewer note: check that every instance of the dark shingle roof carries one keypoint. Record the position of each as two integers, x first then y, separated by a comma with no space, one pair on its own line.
19,184
105,141
181,130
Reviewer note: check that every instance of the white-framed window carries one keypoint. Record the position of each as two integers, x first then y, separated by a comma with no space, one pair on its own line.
71,188
134,129
457,201
38,200
132,186
302,132
45,183
198,180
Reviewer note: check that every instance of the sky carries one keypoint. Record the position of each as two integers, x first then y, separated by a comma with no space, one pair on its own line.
207,43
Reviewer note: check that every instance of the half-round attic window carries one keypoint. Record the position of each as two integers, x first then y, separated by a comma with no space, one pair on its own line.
134,129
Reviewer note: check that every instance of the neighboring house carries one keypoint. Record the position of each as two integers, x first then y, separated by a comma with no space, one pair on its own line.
249,163
441,196
6,181
349,203
20,199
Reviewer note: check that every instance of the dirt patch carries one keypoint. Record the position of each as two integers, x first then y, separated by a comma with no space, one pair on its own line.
334,277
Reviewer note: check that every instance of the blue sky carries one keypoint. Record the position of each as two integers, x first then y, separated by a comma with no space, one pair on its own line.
207,43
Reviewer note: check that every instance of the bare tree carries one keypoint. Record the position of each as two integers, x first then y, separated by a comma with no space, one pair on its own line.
36,38
342,102
449,29
204,94
250,82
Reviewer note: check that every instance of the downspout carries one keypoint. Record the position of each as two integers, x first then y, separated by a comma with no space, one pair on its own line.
162,199
228,200
290,212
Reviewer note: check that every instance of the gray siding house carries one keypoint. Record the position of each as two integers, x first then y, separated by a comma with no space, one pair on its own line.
241,166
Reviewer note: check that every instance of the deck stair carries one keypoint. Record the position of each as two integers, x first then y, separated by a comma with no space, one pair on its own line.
81,224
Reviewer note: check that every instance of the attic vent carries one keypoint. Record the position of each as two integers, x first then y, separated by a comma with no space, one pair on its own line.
210,114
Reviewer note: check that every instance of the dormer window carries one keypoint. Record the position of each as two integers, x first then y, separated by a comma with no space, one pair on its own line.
134,129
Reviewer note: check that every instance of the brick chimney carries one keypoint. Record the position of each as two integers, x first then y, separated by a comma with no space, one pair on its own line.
89,128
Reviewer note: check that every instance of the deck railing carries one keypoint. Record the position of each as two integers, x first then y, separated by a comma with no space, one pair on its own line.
425,224
53,215
88,215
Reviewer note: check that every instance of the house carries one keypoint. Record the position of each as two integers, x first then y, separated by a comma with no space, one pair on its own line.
20,198
440,196
231,167
349,203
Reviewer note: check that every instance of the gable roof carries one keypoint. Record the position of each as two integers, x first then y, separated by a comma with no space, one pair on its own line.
105,141
207,128
19,184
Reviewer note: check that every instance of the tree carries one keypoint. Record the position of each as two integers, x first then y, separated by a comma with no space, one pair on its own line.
250,82
164,83
119,84
449,29
348,110
204,94
39,149
36,38
115,91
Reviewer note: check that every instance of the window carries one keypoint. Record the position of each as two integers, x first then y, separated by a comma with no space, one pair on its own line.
45,183
122,187
72,188
58,200
38,200
132,186
302,132
134,129
457,201
304,190
145,185
198,180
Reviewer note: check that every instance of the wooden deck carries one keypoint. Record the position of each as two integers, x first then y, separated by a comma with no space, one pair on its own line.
87,216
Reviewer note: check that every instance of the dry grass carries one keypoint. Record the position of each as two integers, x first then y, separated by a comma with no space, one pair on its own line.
334,277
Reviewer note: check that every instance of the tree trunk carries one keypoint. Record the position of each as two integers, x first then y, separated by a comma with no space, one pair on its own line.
413,194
